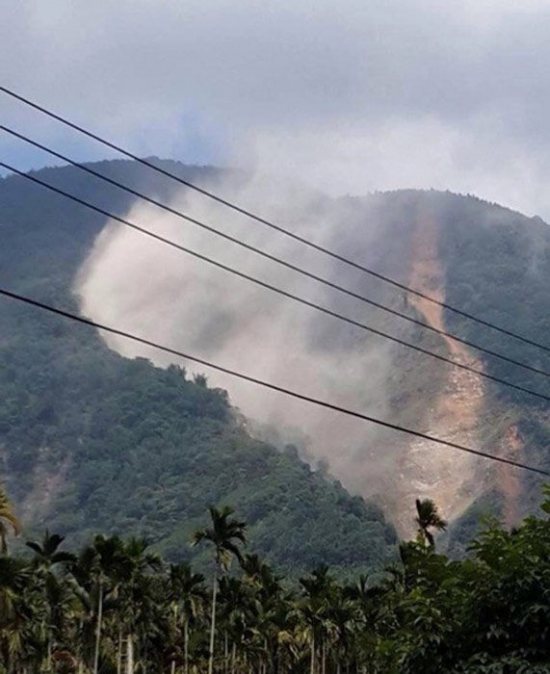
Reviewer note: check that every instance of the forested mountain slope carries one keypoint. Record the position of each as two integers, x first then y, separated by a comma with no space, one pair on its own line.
92,440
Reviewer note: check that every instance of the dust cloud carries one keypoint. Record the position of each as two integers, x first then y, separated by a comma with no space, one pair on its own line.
145,287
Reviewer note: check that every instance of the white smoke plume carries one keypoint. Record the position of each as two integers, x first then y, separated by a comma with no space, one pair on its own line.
146,287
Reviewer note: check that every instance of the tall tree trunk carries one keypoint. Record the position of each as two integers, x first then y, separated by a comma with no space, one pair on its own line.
233,657
213,623
186,646
119,653
98,626
225,654
80,647
323,657
49,651
130,654
173,667
312,664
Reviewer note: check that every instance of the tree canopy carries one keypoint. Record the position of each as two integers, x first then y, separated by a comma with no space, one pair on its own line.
115,605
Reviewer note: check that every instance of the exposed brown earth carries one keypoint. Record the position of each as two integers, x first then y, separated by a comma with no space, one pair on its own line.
446,476
451,478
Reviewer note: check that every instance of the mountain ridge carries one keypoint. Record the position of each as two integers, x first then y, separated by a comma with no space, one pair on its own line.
79,426
400,217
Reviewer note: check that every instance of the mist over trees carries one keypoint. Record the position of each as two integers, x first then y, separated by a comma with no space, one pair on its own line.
121,458
494,263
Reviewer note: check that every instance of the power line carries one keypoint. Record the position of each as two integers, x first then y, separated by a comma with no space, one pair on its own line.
271,257
268,286
273,288
266,384
268,223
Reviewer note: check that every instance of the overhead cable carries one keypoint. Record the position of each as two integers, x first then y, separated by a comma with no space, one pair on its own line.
266,384
275,289
274,258
269,223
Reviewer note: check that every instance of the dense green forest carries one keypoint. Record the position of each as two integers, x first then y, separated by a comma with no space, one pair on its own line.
115,605
496,266
93,441
143,450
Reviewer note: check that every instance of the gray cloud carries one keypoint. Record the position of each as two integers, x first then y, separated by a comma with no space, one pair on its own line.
350,96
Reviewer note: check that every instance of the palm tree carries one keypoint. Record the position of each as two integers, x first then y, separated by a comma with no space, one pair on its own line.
233,600
52,591
428,518
47,553
15,611
7,516
186,594
96,578
260,575
224,534
341,616
133,565
317,590
266,592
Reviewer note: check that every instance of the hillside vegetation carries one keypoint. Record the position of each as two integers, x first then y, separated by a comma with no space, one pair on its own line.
115,604
93,441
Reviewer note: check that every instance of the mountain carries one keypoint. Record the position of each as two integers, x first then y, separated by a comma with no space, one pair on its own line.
94,438
92,441
492,263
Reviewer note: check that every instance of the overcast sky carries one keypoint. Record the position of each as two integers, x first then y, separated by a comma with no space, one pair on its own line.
351,96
